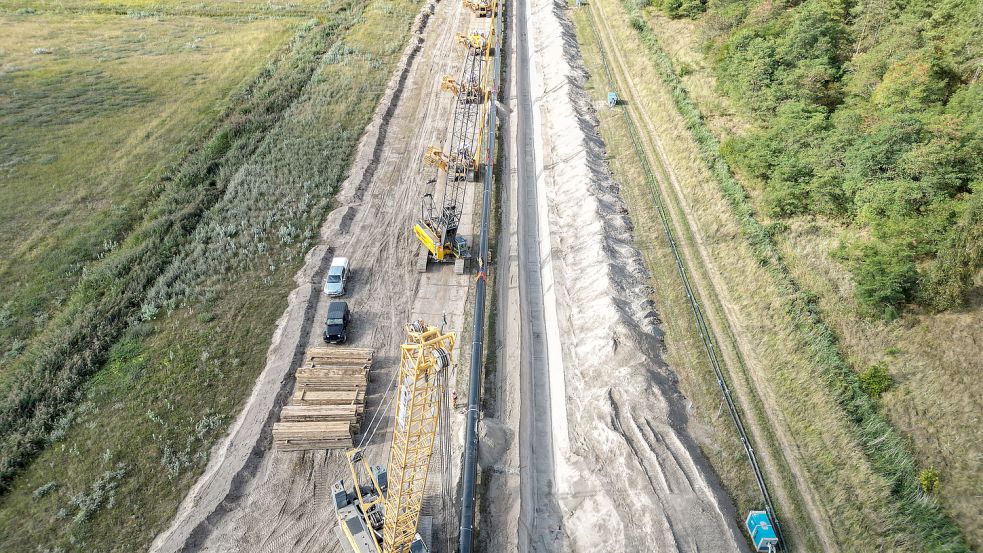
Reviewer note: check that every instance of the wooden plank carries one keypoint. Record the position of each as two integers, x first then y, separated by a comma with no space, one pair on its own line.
309,396
317,413
339,351
328,387
309,427
348,356
338,384
309,446
332,370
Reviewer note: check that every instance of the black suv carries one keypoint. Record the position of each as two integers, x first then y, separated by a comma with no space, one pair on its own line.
336,327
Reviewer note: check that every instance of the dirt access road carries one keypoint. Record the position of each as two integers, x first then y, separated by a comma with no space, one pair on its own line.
252,497
604,457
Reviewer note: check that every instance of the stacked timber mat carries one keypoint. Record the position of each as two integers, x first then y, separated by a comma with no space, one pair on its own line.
325,411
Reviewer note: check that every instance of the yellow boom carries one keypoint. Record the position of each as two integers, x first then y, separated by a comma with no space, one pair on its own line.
424,356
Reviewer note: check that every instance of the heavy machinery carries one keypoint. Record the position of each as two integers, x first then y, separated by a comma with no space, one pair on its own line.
470,92
481,8
439,220
381,511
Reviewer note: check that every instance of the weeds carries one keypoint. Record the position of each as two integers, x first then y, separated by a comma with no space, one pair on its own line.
875,380
44,490
102,492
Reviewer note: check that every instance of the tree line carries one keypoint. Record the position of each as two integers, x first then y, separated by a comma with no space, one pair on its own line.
867,112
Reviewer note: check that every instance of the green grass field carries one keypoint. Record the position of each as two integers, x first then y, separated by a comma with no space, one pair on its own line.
87,131
109,408
159,8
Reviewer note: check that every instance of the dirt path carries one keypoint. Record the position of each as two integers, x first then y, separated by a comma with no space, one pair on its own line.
696,254
254,498
605,461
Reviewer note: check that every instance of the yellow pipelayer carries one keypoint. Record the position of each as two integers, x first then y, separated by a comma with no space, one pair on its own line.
437,229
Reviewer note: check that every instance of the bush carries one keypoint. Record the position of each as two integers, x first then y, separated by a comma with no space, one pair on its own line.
681,8
929,479
885,277
875,380
43,490
951,274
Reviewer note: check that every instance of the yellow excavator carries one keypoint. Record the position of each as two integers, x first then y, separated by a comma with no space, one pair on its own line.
381,511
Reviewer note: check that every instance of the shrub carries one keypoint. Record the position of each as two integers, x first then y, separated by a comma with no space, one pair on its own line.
681,8
885,277
44,490
951,274
929,479
875,380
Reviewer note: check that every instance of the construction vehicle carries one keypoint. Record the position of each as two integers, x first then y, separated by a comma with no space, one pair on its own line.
481,8
439,220
381,511
469,92
759,527
474,39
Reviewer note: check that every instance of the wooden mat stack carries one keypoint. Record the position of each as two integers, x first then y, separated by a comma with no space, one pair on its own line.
326,409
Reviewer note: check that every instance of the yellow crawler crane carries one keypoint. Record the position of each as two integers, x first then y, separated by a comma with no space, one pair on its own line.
382,515
475,39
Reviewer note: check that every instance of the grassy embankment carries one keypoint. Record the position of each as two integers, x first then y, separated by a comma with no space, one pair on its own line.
855,466
932,358
109,414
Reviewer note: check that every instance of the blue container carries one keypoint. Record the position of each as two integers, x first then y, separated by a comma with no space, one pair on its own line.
612,99
762,534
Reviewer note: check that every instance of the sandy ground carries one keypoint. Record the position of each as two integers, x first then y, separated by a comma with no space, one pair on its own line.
604,455
252,497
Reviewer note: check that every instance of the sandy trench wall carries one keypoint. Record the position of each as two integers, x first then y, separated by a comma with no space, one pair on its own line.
627,472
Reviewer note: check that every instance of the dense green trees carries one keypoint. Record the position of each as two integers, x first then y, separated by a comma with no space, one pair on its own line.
869,112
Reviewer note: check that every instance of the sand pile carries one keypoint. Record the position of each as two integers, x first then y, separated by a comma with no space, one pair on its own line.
626,472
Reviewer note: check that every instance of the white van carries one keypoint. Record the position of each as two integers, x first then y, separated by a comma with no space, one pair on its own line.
338,275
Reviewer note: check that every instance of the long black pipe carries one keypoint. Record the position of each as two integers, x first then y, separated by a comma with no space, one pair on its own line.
468,499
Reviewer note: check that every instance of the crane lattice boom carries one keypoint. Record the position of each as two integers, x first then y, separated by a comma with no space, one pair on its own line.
426,353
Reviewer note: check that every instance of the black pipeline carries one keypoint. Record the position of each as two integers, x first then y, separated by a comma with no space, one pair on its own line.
468,500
